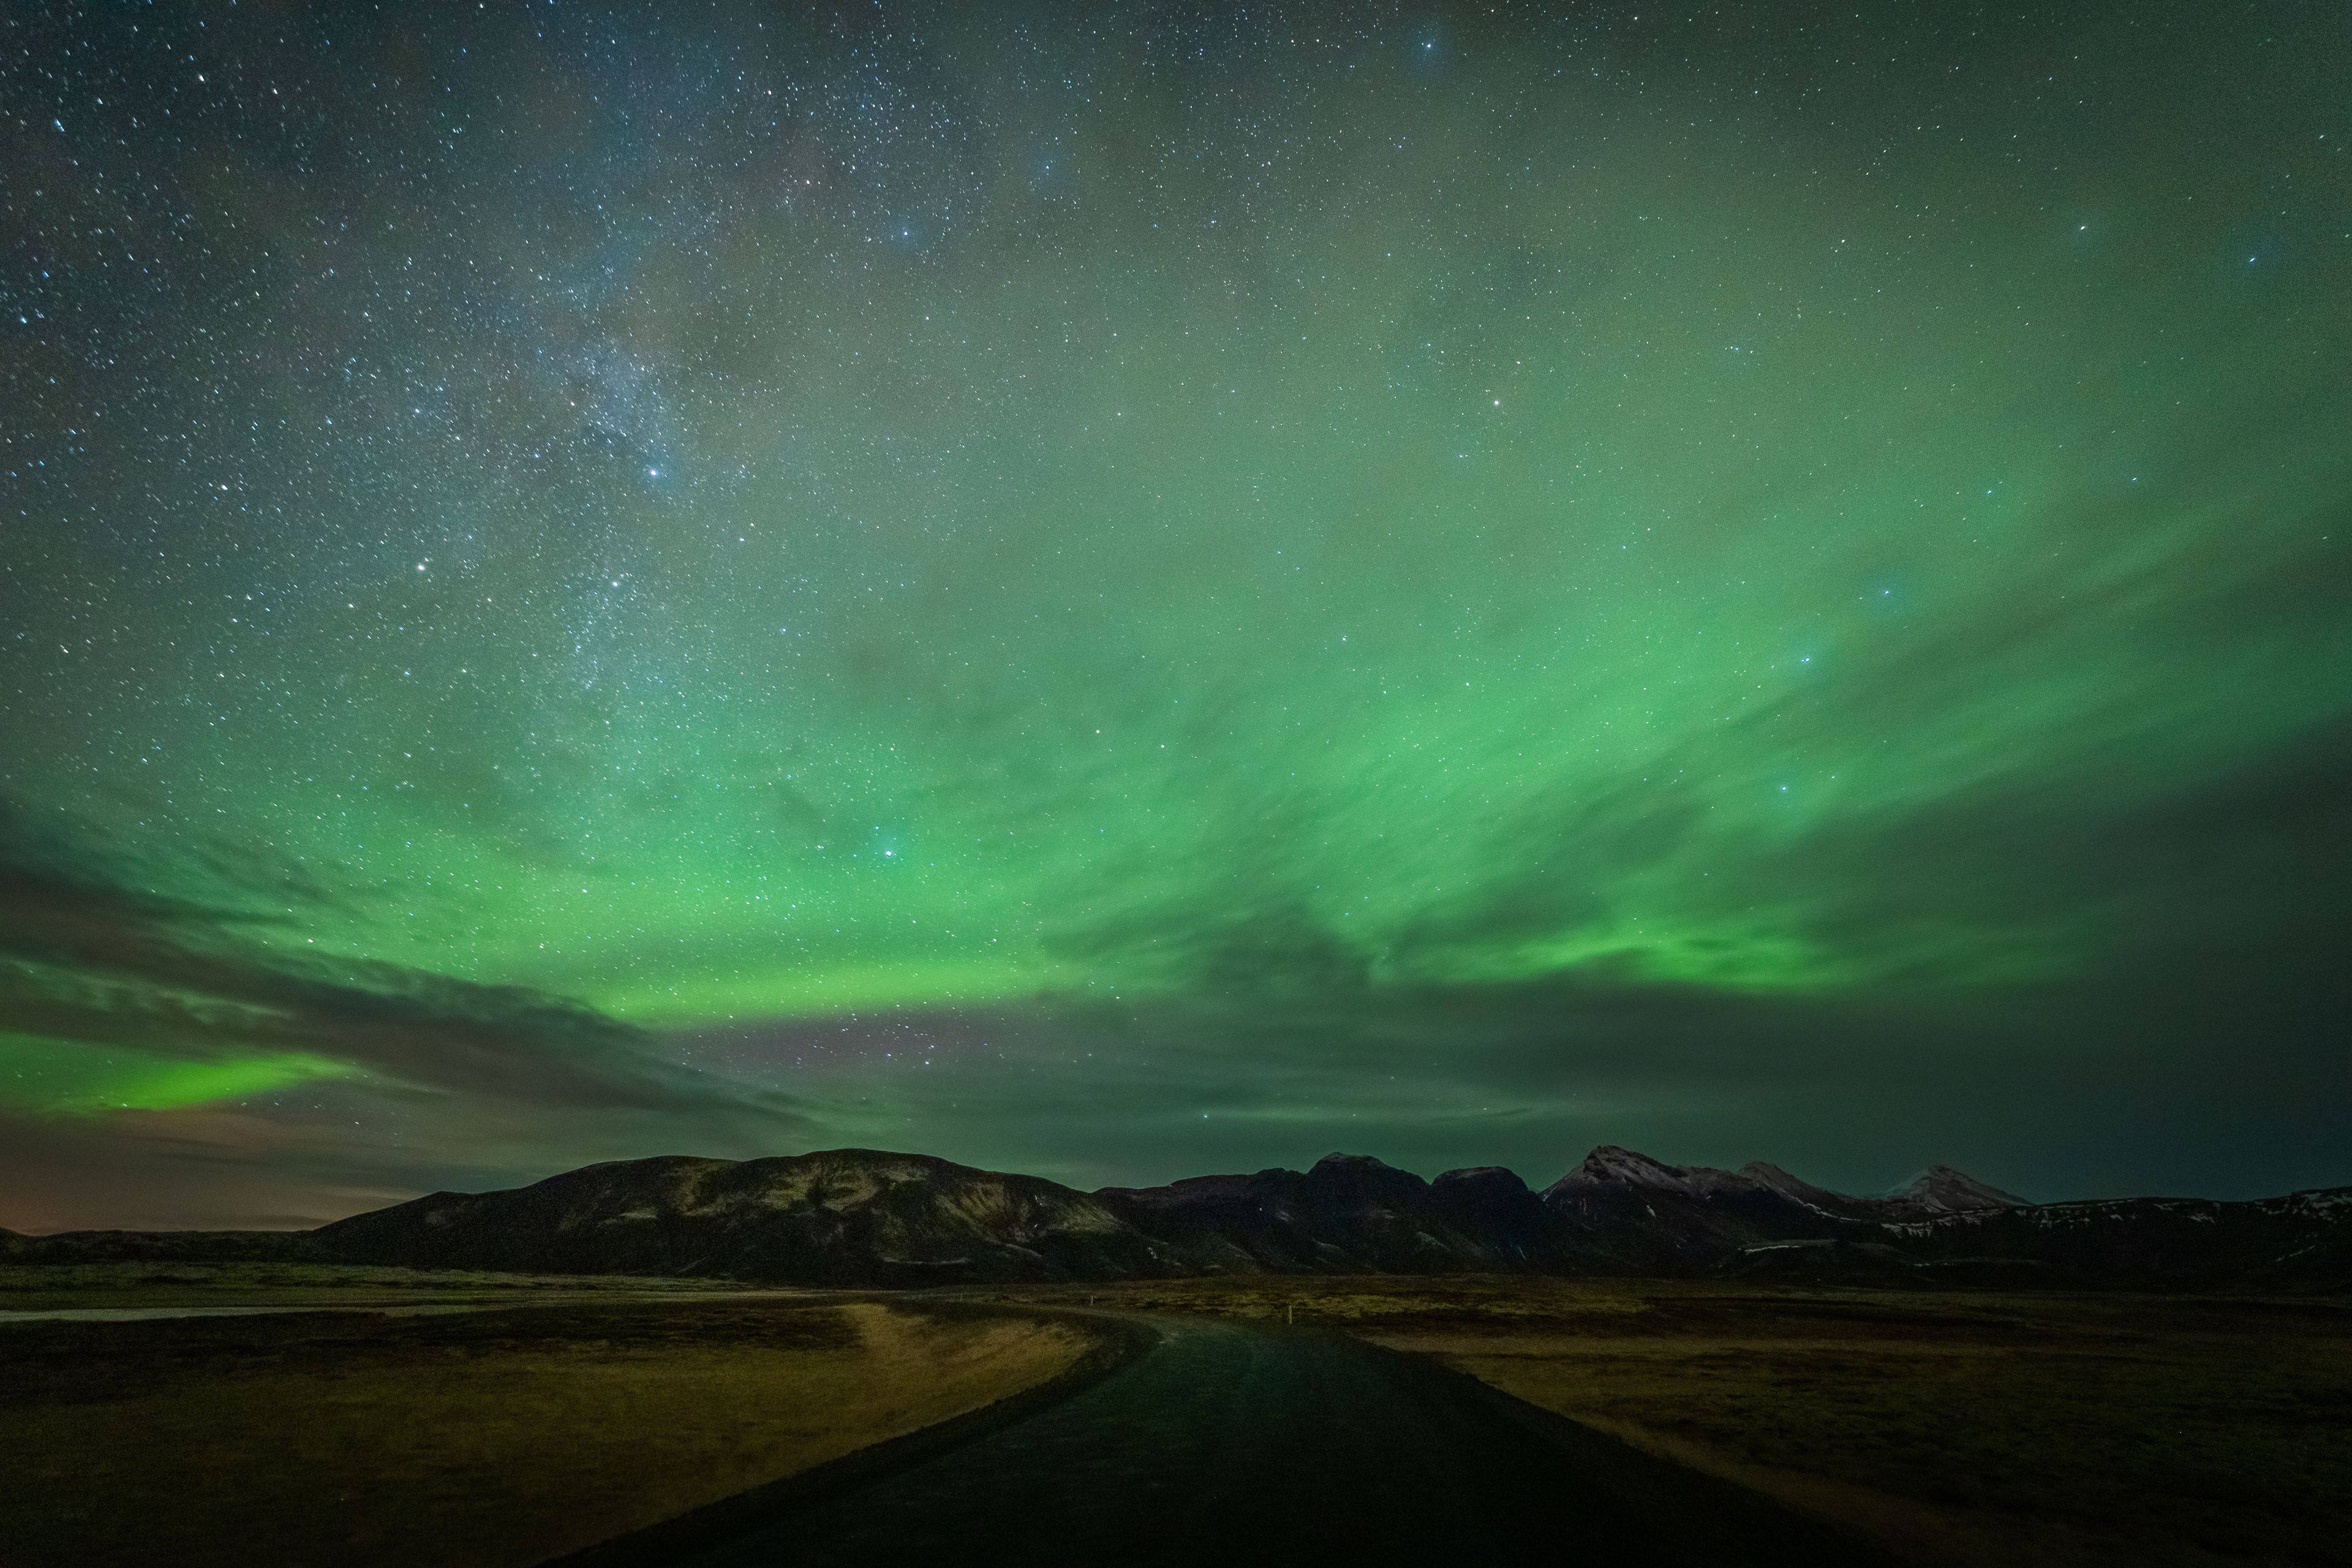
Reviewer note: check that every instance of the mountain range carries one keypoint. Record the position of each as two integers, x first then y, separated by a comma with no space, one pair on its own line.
863,1218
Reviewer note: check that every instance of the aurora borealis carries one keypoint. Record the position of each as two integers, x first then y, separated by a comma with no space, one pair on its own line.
1123,592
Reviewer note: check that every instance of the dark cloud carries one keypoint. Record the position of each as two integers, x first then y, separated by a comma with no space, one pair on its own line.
90,960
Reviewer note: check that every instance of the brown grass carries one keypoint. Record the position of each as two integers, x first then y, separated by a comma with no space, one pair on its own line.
45,1287
1951,1428
487,1437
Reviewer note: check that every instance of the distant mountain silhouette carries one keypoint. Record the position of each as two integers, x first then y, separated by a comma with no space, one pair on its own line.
863,1217
1350,1213
849,1216
1939,1189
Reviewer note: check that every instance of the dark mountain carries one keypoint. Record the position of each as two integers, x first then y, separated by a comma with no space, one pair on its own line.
1939,1189
848,1216
1350,1213
859,1217
2301,1239
1633,1212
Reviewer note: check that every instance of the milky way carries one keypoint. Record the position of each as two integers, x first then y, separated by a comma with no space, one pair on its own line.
1168,589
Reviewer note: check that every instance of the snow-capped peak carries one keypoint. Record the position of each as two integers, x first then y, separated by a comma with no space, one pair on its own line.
1948,1191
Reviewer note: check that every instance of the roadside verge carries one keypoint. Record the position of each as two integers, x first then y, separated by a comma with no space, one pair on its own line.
1116,1341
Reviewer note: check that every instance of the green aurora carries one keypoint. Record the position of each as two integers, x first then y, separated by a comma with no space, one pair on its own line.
1024,591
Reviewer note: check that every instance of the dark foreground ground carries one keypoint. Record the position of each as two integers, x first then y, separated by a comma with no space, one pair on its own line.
1950,1428
501,1421
1238,1442
484,1424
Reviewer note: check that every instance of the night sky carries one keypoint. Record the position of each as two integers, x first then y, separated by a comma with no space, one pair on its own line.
1127,591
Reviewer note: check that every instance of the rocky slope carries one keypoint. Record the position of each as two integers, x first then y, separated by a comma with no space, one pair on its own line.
2301,1239
849,1216
1350,1213
862,1217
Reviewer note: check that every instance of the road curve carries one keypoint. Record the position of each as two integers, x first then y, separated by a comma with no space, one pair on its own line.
1233,1444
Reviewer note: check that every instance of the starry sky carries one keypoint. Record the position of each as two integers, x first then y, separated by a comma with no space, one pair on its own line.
1127,590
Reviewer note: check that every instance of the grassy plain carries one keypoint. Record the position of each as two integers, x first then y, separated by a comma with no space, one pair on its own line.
1953,1429
498,1419
152,1285
487,1420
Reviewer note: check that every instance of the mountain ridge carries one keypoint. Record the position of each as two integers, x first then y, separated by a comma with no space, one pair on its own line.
866,1217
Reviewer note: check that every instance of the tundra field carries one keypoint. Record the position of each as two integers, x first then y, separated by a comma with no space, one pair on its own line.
480,1421
1945,1428
494,1420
